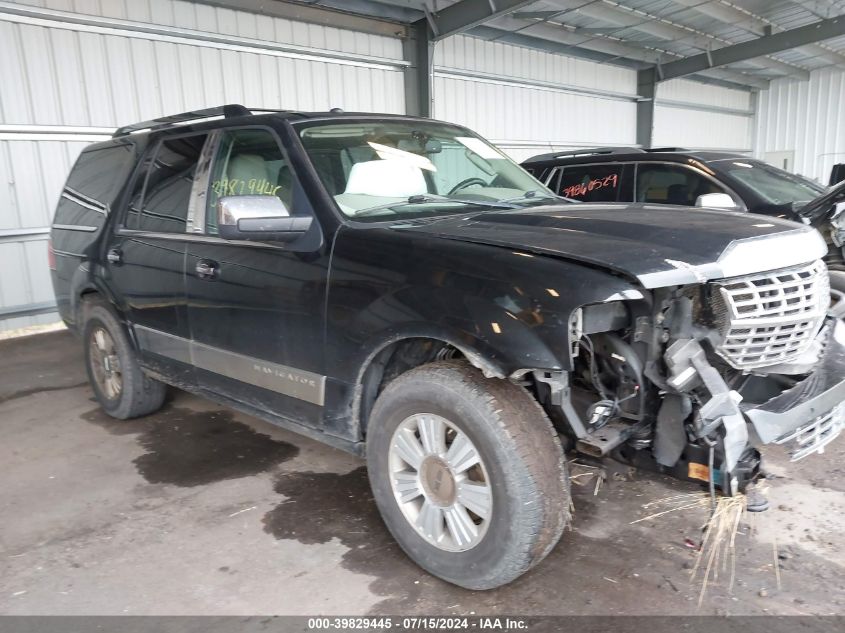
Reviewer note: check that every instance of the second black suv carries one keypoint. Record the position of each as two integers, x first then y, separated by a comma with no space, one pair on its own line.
695,179
674,176
399,288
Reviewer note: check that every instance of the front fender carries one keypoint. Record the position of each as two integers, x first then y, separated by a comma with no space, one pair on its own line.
511,310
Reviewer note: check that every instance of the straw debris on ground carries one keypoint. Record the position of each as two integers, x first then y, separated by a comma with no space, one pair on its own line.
716,554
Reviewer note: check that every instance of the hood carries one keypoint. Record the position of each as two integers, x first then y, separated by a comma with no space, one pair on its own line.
821,209
658,245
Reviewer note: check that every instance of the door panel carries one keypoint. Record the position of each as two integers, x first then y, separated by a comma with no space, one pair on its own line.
256,308
146,256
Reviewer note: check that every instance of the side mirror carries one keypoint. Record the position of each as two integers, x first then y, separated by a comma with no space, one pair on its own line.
261,218
715,201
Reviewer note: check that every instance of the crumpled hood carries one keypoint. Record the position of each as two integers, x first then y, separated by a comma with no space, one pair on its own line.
658,245
822,209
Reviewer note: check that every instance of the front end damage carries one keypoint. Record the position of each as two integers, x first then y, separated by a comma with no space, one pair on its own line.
690,380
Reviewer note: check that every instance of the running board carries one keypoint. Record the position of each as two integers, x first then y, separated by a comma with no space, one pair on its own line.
600,442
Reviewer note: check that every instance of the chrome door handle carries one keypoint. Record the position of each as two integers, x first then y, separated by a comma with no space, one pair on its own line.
207,269
114,256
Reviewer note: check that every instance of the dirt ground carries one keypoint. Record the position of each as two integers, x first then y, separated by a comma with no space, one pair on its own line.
201,510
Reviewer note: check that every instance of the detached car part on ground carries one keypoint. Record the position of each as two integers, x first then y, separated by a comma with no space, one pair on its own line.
398,288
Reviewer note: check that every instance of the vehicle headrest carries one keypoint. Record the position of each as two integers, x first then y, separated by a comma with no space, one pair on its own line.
247,167
677,194
386,178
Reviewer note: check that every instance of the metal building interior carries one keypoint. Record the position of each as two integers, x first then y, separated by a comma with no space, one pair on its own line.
761,78
734,75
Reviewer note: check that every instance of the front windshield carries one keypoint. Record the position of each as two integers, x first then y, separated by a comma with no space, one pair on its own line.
774,185
404,169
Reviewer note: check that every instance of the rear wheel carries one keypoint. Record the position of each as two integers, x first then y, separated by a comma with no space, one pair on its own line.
468,474
119,383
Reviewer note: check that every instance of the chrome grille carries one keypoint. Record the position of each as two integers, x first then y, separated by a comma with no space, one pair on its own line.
771,318
813,437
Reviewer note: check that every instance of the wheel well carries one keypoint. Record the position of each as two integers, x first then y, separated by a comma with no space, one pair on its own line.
86,295
396,359
89,293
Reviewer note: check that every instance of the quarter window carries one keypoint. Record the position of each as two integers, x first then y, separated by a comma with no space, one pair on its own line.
97,170
668,184
591,183
249,162
92,182
162,205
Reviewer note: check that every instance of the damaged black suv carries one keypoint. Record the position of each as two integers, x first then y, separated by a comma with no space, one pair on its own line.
398,288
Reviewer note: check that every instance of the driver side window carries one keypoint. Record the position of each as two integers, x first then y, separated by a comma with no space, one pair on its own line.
248,162
667,184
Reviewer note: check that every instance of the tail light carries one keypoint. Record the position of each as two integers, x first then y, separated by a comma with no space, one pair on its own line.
51,256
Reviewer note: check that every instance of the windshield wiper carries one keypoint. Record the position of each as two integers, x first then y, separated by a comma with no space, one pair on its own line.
532,195
426,198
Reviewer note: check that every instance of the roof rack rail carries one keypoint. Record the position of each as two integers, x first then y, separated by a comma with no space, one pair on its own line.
668,149
229,110
584,152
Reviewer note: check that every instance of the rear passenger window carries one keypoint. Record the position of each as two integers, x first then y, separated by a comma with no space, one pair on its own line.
668,184
161,204
591,183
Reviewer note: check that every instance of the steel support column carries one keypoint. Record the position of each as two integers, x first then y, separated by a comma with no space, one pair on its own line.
418,50
647,89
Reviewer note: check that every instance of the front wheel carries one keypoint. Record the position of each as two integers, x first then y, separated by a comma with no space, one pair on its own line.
468,474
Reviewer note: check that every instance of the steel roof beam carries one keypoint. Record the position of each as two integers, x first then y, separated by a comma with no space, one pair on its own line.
615,48
668,31
465,14
785,40
729,14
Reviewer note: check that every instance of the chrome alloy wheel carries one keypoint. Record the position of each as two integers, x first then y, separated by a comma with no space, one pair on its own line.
440,482
105,363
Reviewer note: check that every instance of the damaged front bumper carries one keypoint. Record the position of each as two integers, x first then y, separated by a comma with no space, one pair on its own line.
811,414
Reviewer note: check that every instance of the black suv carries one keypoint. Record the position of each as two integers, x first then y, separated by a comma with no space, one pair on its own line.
670,175
678,176
398,288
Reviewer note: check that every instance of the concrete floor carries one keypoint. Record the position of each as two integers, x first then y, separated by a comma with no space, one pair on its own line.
200,510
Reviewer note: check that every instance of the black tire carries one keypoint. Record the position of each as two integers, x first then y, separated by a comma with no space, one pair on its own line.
522,456
138,394
837,289
837,280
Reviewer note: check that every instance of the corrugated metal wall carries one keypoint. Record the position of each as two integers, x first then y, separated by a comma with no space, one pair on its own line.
67,81
702,116
529,102
807,118
81,67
